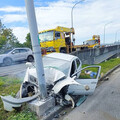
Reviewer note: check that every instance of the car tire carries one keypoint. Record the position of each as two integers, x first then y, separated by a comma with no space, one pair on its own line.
30,58
7,61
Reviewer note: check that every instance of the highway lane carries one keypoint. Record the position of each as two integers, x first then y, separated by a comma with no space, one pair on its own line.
13,69
104,104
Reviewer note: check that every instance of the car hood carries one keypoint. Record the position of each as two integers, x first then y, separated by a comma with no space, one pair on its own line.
51,75
3,55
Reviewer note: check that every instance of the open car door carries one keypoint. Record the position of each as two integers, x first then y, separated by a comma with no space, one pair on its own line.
88,78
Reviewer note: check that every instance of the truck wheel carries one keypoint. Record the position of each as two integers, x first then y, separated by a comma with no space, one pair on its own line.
7,61
30,58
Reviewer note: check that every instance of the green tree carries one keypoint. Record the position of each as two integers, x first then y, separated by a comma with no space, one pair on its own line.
28,41
7,37
3,39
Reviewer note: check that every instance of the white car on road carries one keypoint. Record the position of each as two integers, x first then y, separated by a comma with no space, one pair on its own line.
63,75
16,54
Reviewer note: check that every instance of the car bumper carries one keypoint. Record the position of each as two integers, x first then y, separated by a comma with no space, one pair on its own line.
1,61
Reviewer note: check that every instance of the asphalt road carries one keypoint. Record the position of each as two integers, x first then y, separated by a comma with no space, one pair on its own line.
13,69
104,104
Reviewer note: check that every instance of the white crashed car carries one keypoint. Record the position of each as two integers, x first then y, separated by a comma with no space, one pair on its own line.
63,75
16,54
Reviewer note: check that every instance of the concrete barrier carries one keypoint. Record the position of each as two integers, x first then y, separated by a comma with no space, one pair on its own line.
97,55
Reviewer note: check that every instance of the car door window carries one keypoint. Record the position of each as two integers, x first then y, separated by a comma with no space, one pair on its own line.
77,63
15,51
57,35
62,35
73,68
88,80
78,67
23,50
89,73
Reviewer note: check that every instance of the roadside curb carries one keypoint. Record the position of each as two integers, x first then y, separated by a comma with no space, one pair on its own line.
109,72
56,110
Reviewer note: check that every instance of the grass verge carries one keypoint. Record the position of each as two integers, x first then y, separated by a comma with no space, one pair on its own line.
10,86
106,66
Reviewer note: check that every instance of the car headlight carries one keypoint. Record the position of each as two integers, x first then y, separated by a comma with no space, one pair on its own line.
87,87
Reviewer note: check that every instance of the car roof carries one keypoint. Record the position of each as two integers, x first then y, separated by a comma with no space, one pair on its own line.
62,56
21,48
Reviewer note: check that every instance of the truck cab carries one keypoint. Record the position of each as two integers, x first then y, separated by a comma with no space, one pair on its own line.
56,40
95,41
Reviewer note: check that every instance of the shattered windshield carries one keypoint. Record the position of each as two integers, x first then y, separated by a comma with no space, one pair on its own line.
59,64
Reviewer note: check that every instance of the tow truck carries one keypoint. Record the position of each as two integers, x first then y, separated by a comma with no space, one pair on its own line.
89,44
56,40
95,41
59,40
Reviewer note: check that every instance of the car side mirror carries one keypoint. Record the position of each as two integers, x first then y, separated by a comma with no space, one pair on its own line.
13,52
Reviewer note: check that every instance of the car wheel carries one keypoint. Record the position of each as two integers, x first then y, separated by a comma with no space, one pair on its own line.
7,61
30,58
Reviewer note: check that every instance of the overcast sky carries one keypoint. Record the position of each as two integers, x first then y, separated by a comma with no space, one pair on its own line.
90,17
